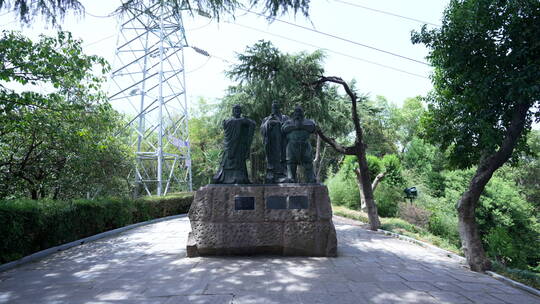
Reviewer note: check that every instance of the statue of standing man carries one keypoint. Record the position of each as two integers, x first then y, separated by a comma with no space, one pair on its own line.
274,145
238,137
297,130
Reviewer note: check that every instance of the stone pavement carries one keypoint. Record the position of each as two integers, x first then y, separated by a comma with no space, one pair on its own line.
148,265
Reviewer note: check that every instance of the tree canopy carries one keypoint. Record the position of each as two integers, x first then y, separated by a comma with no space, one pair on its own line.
487,71
265,74
56,129
486,94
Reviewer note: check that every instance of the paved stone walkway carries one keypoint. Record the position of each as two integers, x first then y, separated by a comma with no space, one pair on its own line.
148,265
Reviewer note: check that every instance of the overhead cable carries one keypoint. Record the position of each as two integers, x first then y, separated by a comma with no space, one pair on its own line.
332,51
199,67
343,39
98,16
100,40
8,23
200,27
386,13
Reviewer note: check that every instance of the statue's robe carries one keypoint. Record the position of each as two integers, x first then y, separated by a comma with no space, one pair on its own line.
275,144
238,138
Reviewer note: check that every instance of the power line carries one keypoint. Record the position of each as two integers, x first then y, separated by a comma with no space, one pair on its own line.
8,23
387,13
199,67
200,27
98,16
343,39
100,40
6,13
332,51
205,53
222,59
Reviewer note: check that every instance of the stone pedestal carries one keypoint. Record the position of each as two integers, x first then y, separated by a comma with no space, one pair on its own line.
285,219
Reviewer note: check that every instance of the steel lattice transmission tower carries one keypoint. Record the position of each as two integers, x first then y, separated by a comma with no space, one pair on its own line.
149,85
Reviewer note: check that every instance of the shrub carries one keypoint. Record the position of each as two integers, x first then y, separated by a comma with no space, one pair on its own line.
342,186
414,214
445,225
387,198
343,192
505,220
28,226
393,172
510,229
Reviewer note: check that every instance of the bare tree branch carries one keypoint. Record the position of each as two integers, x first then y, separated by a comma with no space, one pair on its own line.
358,149
334,144
377,180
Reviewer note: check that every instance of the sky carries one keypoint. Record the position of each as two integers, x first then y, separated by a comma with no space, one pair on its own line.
358,26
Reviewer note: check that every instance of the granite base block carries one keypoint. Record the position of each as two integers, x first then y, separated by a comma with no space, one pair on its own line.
285,219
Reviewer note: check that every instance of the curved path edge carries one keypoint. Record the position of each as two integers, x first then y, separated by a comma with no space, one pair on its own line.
43,253
450,254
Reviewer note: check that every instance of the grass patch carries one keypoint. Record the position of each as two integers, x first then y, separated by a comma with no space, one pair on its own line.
350,213
523,276
403,227
399,226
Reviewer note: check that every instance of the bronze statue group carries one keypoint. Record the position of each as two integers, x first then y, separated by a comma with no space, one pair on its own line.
286,144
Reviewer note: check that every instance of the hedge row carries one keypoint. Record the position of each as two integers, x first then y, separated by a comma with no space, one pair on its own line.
28,226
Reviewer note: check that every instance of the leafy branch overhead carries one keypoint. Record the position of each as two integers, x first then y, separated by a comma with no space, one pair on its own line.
55,64
54,11
216,8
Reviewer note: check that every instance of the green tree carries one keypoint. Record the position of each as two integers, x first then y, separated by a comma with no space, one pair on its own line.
206,143
487,85
56,132
342,186
506,221
526,173
379,133
406,120
264,74
426,163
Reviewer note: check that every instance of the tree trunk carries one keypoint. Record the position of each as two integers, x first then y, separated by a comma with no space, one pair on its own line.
468,229
374,185
34,194
317,160
56,193
377,180
358,149
318,174
362,197
367,192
